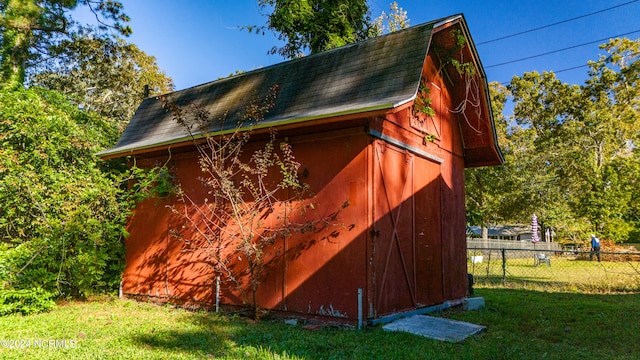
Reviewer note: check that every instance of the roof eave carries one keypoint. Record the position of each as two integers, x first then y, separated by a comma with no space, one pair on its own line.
189,139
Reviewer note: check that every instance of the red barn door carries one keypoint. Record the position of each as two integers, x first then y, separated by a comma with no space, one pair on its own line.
407,250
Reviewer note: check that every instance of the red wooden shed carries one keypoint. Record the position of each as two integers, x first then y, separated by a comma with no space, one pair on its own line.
355,119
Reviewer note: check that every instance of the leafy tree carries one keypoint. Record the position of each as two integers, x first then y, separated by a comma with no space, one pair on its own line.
395,20
542,165
483,202
30,27
608,119
104,75
314,25
570,151
583,138
319,25
62,211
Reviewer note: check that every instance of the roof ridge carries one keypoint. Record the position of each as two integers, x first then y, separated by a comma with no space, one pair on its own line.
322,53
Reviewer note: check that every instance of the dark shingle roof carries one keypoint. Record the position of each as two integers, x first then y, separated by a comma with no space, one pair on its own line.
379,73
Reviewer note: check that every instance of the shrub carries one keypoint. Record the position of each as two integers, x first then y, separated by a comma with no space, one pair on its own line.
62,210
25,302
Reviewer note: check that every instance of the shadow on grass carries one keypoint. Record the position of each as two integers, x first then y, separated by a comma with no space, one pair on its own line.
523,324
204,333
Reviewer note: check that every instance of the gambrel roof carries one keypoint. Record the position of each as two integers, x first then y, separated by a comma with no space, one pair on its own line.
376,74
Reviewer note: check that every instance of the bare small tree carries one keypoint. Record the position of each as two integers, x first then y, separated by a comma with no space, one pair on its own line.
251,196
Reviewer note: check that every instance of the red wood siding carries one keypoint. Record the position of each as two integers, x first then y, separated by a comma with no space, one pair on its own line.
325,268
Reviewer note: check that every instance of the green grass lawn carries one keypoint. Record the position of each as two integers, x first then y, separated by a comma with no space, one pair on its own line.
521,324
565,273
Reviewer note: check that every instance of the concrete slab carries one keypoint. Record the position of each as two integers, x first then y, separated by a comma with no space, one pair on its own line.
435,328
475,303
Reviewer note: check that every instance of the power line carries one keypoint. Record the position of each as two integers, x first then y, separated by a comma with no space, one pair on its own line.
555,72
556,23
560,50
571,68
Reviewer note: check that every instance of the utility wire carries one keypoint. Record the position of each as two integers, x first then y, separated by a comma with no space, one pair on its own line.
571,68
559,50
505,83
556,23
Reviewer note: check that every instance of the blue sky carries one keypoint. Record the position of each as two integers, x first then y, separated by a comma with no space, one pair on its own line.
197,41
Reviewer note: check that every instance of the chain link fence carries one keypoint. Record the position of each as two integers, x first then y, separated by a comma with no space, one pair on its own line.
567,270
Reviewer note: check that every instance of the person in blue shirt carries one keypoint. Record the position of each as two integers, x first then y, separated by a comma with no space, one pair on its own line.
595,247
